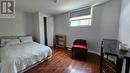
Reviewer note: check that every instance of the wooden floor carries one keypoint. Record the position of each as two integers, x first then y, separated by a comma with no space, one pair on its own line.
61,62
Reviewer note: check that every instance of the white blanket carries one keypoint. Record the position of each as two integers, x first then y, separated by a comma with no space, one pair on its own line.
17,57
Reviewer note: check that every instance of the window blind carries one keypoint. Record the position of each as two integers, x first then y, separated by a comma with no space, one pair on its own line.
80,13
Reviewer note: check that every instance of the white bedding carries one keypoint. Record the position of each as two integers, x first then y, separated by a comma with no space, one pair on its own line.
17,57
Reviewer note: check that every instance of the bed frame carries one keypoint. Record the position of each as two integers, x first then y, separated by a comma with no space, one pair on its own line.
33,65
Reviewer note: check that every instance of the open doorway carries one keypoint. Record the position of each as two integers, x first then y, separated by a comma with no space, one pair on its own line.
45,30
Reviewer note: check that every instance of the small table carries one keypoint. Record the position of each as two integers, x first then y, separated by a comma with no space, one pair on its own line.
119,61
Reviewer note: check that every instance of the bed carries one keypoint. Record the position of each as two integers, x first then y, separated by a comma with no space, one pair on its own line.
17,57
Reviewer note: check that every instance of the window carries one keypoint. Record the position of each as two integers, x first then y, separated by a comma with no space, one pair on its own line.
81,17
81,21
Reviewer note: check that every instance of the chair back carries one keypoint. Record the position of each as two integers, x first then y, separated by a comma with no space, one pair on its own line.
80,42
110,45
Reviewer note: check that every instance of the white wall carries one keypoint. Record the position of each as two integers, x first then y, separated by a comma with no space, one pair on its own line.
124,30
105,25
50,30
110,16
22,24
36,28
41,28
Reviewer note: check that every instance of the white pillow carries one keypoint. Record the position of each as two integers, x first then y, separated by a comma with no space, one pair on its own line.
7,42
26,39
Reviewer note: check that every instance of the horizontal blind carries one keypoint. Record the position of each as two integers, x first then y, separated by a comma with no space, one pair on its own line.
80,13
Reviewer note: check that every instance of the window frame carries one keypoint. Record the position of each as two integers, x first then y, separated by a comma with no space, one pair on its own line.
91,17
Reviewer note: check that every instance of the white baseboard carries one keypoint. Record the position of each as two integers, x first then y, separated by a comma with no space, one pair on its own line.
94,52
97,53
110,58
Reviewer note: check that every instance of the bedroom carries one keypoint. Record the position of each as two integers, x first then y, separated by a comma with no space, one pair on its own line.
109,21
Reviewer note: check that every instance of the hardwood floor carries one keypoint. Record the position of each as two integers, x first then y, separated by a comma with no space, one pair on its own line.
61,62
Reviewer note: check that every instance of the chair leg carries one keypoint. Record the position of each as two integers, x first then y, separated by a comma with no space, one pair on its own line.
73,53
101,63
127,65
119,65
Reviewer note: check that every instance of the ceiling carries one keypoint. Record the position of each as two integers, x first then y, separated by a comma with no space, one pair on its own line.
50,7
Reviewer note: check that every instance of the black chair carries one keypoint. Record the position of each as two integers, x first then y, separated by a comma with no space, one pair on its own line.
127,67
79,48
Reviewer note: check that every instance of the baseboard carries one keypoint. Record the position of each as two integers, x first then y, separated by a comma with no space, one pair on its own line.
94,52
97,53
68,48
111,59
51,46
